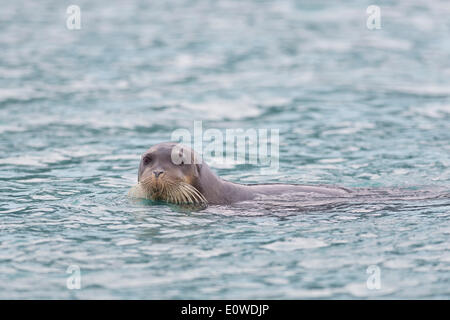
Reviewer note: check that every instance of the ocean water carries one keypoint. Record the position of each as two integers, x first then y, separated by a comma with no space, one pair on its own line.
365,109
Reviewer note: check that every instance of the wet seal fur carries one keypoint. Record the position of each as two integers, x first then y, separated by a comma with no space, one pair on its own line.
173,173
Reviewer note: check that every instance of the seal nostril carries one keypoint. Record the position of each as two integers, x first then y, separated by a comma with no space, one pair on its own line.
157,173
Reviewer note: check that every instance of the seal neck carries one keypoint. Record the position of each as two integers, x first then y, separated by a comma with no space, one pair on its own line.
219,191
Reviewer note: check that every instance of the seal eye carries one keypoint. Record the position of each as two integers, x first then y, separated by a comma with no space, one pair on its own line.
147,160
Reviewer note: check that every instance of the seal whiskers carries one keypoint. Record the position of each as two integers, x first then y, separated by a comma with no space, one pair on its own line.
178,192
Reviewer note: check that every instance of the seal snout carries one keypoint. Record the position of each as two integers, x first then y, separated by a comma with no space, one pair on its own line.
157,173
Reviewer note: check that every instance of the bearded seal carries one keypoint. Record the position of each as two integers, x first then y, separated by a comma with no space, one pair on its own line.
174,173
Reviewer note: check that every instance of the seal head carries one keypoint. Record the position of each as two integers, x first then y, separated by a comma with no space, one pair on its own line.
169,172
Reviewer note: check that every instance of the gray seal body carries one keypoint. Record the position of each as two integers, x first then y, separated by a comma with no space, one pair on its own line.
171,172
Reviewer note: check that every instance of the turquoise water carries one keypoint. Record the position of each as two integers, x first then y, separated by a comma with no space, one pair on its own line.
364,109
